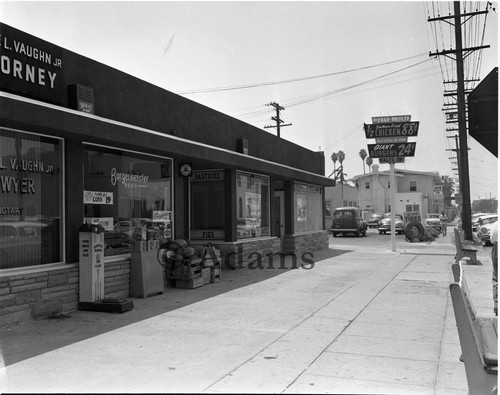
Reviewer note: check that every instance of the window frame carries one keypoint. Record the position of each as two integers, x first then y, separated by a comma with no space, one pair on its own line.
95,147
62,198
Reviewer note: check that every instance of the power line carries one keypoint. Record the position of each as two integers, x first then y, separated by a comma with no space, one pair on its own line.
311,98
260,84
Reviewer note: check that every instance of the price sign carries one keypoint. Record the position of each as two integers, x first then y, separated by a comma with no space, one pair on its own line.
393,129
391,150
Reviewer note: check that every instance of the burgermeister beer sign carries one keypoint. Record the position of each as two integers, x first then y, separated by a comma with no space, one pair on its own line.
30,67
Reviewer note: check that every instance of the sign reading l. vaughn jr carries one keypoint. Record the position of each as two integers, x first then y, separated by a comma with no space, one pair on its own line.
30,66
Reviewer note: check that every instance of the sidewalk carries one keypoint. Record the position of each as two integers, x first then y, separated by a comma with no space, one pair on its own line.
365,321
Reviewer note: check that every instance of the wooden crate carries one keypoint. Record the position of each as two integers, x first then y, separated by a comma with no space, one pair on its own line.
215,273
189,268
189,284
206,275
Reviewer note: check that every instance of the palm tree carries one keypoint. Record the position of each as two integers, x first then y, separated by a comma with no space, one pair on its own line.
369,162
363,155
341,156
335,158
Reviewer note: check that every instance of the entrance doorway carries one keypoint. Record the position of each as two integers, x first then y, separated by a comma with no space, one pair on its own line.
279,215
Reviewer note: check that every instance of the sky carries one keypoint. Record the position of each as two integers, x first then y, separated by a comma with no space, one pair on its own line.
332,65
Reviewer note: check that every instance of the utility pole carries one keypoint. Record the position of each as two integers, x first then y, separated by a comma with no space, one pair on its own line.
463,161
277,118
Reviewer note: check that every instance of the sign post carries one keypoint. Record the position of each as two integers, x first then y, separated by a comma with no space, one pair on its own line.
392,178
391,135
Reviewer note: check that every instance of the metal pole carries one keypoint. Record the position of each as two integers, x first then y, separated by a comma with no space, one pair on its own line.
462,129
393,207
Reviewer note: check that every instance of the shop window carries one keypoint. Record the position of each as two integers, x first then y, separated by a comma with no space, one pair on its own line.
308,207
413,186
412,207
31,202
207,205
252,202
129,194
328,211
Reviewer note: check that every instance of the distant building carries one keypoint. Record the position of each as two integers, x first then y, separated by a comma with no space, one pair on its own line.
339,196
415,191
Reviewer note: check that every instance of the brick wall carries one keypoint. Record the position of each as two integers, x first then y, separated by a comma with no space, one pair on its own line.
44,291
242,253
306,242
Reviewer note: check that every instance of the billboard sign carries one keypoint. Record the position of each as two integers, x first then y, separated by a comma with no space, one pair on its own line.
391,118
397,159
393,129
391,150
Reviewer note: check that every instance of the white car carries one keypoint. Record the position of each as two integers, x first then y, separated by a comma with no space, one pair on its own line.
475,220
433,221
20,244
484,227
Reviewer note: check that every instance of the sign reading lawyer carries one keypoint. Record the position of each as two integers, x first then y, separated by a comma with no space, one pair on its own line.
30,65
391,150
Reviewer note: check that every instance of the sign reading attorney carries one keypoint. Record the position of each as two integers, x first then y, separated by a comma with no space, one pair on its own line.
31,66
391,150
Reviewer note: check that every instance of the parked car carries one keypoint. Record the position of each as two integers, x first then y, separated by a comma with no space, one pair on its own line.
484,227
374,221
433,221
475,220
20,244
348,220
385,224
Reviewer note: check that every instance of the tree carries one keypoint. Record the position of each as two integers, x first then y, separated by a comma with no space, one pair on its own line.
341,156
369,162
335,158
448,186
363,155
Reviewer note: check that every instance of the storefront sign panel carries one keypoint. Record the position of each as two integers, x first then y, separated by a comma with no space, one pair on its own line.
208,234
208,176
30,67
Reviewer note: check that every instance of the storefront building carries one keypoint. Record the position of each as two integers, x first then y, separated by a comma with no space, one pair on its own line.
83,142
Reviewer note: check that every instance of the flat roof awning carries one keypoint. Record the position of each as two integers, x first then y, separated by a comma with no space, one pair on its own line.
91,128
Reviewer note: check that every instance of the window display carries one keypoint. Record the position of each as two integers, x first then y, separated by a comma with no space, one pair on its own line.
252,195
30,199
308,207
130,195
207,205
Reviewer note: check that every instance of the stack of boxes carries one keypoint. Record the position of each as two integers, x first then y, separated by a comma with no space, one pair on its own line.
146,239
212,264
191,269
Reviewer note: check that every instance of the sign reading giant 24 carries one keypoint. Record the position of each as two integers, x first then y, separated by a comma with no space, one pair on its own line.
391,150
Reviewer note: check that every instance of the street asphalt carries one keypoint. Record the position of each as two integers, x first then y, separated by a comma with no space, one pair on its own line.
369,320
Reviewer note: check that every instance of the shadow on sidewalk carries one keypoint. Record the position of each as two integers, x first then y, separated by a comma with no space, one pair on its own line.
28,339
